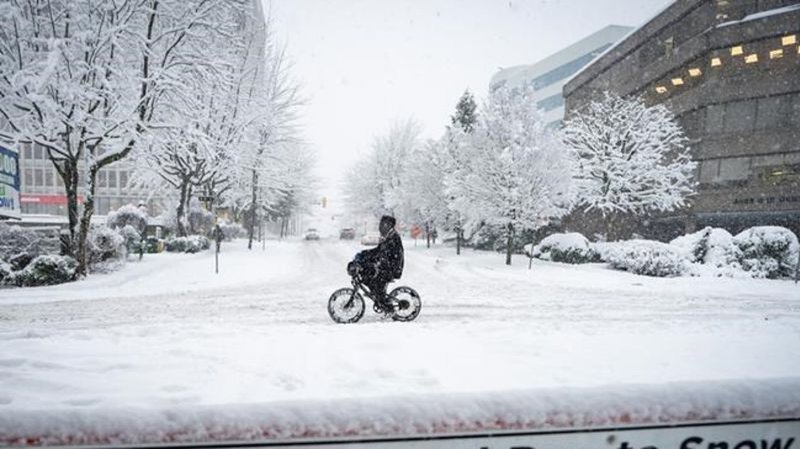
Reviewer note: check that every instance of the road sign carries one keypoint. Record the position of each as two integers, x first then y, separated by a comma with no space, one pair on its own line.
9,184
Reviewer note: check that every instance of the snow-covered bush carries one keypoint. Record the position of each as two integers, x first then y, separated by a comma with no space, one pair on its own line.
105,244
570,248
712,252
20,261
646,257
5,272
768,251
45,270
15,240
200,221
131,236
232,230
190,244
128,215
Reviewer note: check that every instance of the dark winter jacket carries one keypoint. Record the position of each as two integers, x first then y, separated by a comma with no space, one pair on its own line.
388,256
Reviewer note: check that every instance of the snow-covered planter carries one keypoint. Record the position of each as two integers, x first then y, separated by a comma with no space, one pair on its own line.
646,257
768,251
570,248
45,270
190,244
105,244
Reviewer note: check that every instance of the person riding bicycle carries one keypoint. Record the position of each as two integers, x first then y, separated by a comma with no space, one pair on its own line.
382,264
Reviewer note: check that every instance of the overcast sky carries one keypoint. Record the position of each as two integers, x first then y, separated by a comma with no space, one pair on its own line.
366,63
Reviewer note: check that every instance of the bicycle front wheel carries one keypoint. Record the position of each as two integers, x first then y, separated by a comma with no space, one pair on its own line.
346,306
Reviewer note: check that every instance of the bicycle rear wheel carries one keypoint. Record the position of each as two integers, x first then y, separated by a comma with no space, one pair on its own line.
407,303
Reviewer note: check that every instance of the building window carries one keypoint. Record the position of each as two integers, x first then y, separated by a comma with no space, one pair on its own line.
695,72
715,117
751,58
709,171
776,54
661,89
48,178
789,40
102,179
551,102
123,179
677,81
38,177
716,62
112,179
27,151
771,112
38,152
737,50
28,177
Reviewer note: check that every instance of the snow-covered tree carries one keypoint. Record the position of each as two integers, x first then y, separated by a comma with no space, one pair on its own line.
515,172
466,115
463,122
425,199
631,158
375,185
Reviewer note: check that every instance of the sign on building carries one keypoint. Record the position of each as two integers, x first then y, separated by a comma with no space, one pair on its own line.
9,184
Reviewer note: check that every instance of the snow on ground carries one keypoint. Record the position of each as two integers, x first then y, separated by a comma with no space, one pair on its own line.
167,350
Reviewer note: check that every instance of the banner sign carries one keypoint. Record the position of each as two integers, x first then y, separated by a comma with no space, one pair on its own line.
9,184
769,434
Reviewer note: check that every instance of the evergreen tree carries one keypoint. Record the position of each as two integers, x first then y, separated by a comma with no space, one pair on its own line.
466,114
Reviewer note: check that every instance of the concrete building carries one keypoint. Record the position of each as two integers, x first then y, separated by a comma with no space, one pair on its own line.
730,71
547,76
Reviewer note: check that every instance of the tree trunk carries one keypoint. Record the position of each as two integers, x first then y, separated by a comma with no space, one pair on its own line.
428,234
254,200
71,180
181,212
83,234
509,243
458,241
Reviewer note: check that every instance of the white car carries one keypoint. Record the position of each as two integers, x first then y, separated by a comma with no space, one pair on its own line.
371,239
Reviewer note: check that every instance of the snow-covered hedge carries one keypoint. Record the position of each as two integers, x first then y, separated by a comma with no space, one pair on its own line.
646,257
570,248
712,252
190,244
768,251
5,272
44,270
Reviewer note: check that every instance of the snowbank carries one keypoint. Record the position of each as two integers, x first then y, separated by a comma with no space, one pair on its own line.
412,416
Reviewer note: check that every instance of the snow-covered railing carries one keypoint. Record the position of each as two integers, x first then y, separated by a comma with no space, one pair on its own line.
747,414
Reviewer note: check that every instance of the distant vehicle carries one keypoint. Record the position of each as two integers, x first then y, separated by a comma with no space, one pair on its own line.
371,239
347,234
312,234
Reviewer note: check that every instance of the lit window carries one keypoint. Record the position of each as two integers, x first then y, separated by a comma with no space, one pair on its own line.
716,62
661,89
751,58
776,54
789,40
695,72
737,50
677,81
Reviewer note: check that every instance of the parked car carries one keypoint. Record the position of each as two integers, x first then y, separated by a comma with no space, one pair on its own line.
371,239
347,234
312,234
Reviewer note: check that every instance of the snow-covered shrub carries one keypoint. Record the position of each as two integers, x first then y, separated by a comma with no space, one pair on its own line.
5,272
105,244
646,257
572,248
132,237
190,244
20,261
712,251
768,251
128,215
46,270
232,230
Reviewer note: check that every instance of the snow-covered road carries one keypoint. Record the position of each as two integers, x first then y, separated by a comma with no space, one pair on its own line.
168,332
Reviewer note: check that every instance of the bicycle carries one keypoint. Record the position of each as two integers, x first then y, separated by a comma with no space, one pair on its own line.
346,305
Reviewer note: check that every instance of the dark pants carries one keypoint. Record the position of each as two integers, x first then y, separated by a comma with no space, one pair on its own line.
376,282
